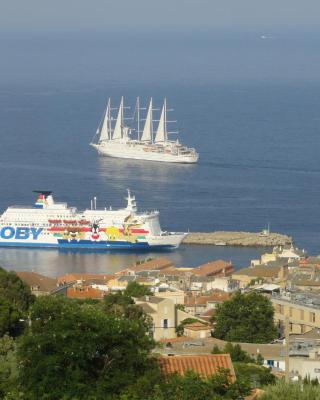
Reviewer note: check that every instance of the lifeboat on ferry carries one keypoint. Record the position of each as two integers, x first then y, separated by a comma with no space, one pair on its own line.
69,221
84,222
54,221
147,149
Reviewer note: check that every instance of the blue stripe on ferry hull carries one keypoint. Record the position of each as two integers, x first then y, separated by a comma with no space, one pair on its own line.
90,245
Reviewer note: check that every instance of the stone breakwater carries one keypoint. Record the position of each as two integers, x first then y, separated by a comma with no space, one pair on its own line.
248,239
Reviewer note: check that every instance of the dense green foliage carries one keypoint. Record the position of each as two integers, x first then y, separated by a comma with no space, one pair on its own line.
117,302
255,375
235,351
247,368
188,387
134,289
245,317
78,351
291,391
8,365
15,299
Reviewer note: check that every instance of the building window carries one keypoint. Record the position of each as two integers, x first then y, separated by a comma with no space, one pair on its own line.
165,323
290,311
303,328
301,314
312,317
270,363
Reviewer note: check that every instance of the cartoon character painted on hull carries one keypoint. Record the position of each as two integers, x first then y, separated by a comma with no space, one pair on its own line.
95,230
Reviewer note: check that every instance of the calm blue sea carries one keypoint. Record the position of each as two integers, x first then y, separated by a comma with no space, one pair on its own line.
258,141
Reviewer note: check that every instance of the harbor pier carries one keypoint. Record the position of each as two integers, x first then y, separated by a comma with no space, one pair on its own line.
245,239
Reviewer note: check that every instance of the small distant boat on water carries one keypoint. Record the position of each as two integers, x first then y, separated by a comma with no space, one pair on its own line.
115,139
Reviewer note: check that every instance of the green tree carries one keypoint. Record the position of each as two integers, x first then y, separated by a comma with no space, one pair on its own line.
245,318
134,289
255,375
117,301
237,354
78,351
291,391
187,321
122,305
8,365
15,299
216,350
191,386
260,359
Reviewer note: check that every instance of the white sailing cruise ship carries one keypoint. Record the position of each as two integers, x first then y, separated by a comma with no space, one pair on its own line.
50,224
148,145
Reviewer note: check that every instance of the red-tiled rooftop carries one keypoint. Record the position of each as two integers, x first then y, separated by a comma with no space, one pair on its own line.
216,296
85,292
79,276
197,326
154,264
35,280
205,365
214,268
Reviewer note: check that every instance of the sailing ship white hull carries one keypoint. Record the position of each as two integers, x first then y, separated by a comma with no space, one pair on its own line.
141,152
116,142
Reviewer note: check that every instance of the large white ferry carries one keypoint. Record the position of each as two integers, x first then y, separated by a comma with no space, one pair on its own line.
149,145
51,224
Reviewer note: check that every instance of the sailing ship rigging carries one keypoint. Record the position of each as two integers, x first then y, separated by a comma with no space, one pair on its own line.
116,139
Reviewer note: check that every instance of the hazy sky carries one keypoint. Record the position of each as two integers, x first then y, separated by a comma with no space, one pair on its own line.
185,15
96,41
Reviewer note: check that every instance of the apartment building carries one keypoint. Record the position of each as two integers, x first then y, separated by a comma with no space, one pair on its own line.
302,309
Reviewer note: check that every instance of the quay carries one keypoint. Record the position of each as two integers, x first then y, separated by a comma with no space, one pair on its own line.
245,239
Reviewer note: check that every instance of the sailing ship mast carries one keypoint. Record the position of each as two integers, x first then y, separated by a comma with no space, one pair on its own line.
103,132
147,134
138,117
162,134
117,132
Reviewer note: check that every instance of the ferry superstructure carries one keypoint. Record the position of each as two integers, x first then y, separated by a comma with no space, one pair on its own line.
148,145
51,224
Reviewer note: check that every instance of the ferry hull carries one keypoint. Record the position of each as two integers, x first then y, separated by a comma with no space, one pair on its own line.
89,245
55,225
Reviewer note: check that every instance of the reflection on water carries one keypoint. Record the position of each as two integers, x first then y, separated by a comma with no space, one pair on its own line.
148,170
53,262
